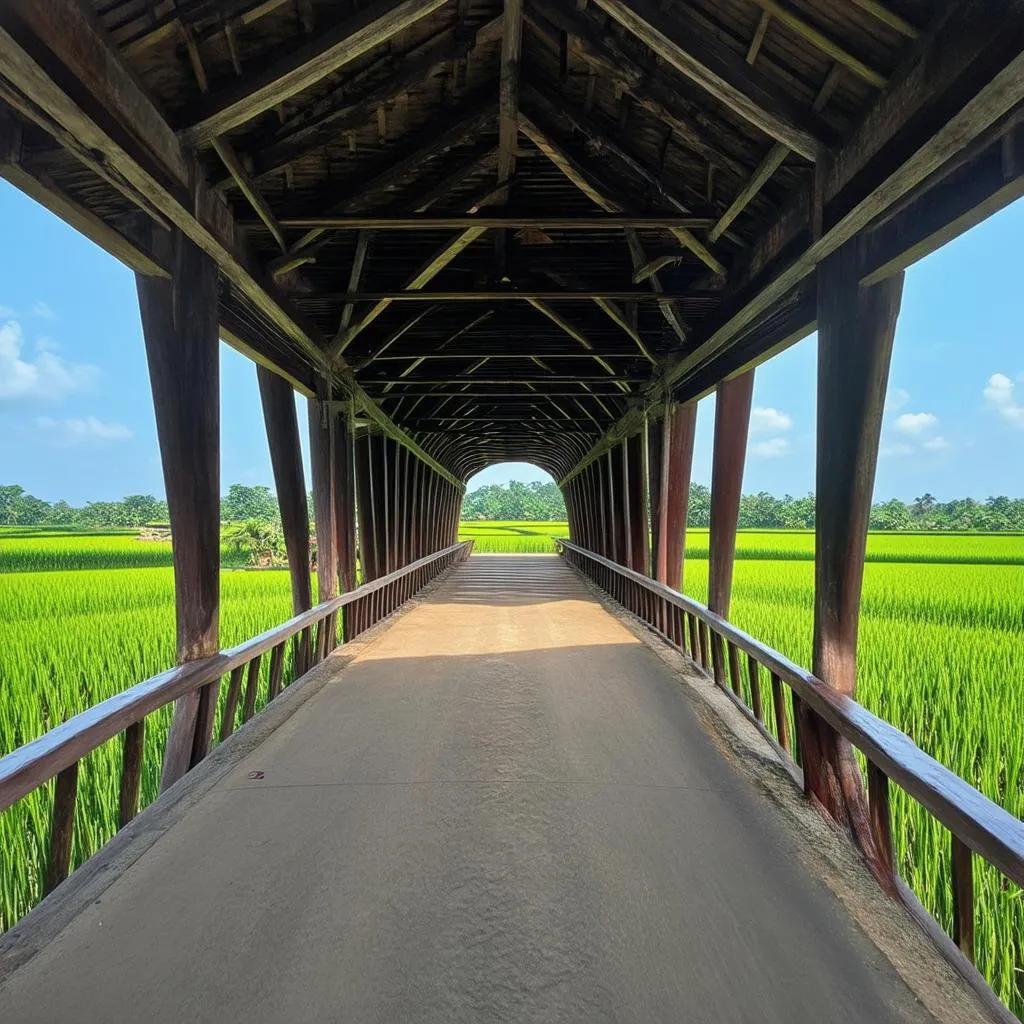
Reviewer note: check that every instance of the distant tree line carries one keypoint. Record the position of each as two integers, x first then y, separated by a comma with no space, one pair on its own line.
539,501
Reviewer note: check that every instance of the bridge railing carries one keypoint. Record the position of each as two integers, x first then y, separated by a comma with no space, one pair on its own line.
313,635
977,824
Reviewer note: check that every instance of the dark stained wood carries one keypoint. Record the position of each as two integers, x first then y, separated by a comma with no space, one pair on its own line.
322,56
252,686
962,874
282,424
344,500
321,466
856,327
179,323
227,722
721,72
277,667
639,527
732,419
881,826
552,222
753,673
205,713
62,828
131,771
654,437
679,423
367,537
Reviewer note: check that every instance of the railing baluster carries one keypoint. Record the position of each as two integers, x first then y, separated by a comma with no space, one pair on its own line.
734,671
691,622
705,645
204,721
276,665
755,688
227,722
718,658
131,771
779,705
881,820
797,718
963,897
252,685
62,828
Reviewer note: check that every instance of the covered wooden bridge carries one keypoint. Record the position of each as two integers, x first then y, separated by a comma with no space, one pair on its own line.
470,231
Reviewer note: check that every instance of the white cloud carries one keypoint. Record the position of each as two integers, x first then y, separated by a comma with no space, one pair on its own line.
936,444
45,376
916,423
84,430
44,310
896,451
771,449
895,399
1001,396
766,420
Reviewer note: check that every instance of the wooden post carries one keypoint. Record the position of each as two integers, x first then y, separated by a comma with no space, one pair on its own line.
613,482
636,485
179,324
344,501
602,489
732,419
321,464
364,507
381,505
279,416
856,327
679,428
654,437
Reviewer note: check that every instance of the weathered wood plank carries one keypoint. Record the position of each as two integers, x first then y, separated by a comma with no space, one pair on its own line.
321,465
721,73
323,55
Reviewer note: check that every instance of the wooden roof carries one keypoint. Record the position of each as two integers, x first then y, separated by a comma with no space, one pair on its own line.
743,140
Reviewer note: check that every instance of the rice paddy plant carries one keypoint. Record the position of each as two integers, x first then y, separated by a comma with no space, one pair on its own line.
941,653
513,537
71,639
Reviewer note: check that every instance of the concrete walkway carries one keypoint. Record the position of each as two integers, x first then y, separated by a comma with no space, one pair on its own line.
504,809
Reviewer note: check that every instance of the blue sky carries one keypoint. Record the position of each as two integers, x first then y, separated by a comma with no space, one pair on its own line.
76,421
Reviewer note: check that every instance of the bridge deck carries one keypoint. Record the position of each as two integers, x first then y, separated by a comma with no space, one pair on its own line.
504,809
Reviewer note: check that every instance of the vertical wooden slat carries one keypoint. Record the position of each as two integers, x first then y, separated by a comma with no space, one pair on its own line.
856,327
365,500
205,714
252,685
881,823
179,324
62,828
963,897
276,665
131,771
755,687
779,706
734,671
227,722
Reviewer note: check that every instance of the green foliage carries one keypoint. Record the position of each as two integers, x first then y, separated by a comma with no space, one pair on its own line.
515,537
518,501
260,542
941,654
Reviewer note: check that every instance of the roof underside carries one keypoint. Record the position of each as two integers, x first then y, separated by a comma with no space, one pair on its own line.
596,112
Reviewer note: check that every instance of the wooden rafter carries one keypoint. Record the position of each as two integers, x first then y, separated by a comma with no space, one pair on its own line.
722,73
245,99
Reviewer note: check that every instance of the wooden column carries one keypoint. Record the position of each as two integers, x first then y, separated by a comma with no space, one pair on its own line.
380,449
429,511
344,501
365,499
654,435
321,463
636,485
732,419
613,506
398,488
602,488
282,423
679,429
179,324
855,337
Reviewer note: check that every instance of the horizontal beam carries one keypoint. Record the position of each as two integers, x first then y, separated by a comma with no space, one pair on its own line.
551,223
481,354
501,296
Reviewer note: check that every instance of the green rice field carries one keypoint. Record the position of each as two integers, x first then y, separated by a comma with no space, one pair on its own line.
941,657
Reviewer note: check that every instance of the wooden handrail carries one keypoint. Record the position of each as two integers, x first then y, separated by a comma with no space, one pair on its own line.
30,766
978,822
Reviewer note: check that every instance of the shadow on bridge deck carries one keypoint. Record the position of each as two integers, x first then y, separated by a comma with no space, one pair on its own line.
503,809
